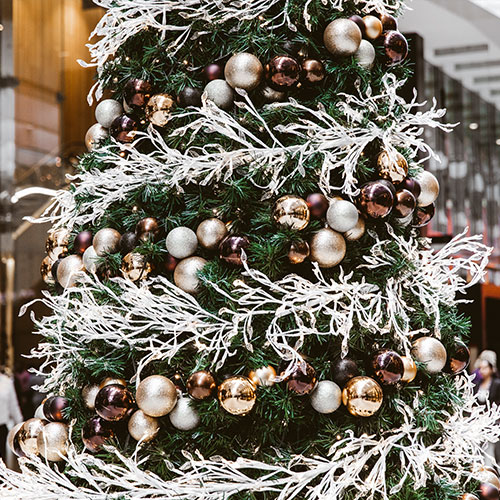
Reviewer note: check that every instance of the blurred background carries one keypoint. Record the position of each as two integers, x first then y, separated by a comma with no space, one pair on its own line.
455,47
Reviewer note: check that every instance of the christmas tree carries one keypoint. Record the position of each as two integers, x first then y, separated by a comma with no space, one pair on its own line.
243,306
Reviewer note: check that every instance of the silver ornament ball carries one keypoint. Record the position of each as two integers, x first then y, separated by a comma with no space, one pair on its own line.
39,413
89,392
12,439
184,416
327,248
69,271
106,111
142,427
431,352
357,231
95,135
342,37
210,233
220,93
342,215
156,396
105,241
326,397
365,55
186,274
243,71
429,189
52,441
181,242
90,260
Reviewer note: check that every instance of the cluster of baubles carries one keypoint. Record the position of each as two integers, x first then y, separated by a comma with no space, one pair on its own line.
45,435
489,487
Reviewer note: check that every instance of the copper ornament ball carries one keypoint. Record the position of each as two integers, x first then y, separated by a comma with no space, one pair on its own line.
318,205
404,204
458,359
123,129
96,432
170,263
283,72
303,380
389,23
114,402
265,376
313,71
147,229
299,251
137,93
410,369
237,395
387,366
392,166
411,185
231,249
54,408
189,96
211,232
374,27
159,109
360,23
201,385
128,242
423,215
112,381
362,396
376,199
395,47
291,212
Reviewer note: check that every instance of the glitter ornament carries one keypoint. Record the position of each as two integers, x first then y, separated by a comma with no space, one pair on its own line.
106,112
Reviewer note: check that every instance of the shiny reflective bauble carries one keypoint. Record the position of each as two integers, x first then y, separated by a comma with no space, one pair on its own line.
106,241
429,188
189,96
265,375
360,23
231,248
488,491
156,396
342,215
362,396
89,393
291,212
57,243
220,93
13,440
326,397
39,412
365,55
387,366
28,434
357,231
404,204
142,427
114,402
283,72
96,432
303,379
52,441
213,71
147,229
54,408
313,71
210,233
411,185
487,476
46,271
389,23
201,385
344,370
137,93
184,416
95,135
69,271
469,496
237,395
373,26
392,166
106,111
396,47
186,274
458,360
243,71
376,199
328,248
82,241
431,352
342,37
181,242
159,109
123,129
269,94
318,205
423,215
299,251
135,267
128,242
170,263
112,381
410,369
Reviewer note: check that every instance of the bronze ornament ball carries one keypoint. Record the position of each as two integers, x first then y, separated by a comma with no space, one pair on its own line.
291,212
411,185
362,396
244,71
123,129
313,71
342,37
156,395
114,402
265,375
106,241
423,215
159,109
69,270
268,94
201,385
374,27
488,491
410,369
458,360
231,248
392,166
237,395
52,441
186,274
395,47
189,96
54,408
431,352
28,434
376,199
142,427
82,241
147,229
135,267
137,93
13,440
328,248
357,231
387,366
46,271
299,251
210,233
389,23
404,204
96,432
283,72
344,370
303,379
318,205
170,263
360,23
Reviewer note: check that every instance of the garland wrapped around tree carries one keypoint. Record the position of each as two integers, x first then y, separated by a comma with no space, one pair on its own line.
243,306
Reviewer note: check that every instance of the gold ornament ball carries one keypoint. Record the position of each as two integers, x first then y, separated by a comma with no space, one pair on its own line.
431,352
291,212
142,427
46,271
237,395
69,270
156,396
392,166
299,251
105,241
328,248
244,71
362,396
429,189
374,27
159,109
52,441
186,274
210,233
112,381
410,369
265,375
89,392
28,435
357,231
135,267
57,243
342,37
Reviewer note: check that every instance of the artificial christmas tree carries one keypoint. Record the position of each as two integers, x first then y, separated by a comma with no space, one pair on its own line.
242,305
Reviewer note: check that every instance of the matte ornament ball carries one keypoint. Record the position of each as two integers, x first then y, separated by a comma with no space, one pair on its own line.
159,109
184,416
342,37
142,427
106,241
220,93
46,271
376,199
313,71
52,441
237,395
423,216
265,376
374,27
210,233
147,229
181,242
114,402
387,366
95,135
362,396
458,360
186,274
96,432
299,251
201,385
429,189
189,96
318,205
392,166
357,231
69,271
232,248
156,396
283,72
404,204
137,93
135,267
488,491
107,111
365,55
328,248
13,440
244,71
342,215
430,352
303,379
395,47
28,435
344,370
123,129
291,212
410,369
327,397
54,408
